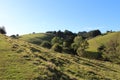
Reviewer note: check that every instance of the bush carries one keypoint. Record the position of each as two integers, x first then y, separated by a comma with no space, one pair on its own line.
79,45
111,50
56,40
80,51
101,48
2,30
66,44
46,44
56,47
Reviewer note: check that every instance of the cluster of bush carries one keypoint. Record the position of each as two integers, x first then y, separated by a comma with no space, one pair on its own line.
58,44
77,44
67,42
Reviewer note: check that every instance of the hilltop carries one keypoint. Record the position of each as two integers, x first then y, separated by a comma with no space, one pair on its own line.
21,60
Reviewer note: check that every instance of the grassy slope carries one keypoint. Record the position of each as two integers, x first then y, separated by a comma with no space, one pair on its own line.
37,38
20,60
12,65
97,41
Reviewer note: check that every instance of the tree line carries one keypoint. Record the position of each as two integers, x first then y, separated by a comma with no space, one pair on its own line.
69,42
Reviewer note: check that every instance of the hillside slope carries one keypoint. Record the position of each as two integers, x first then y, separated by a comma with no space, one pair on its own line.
94,43
37,38
20,60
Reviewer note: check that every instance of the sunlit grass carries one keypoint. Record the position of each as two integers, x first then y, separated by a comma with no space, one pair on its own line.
99,40
21,62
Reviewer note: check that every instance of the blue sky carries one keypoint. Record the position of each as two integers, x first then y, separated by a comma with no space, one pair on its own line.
27,16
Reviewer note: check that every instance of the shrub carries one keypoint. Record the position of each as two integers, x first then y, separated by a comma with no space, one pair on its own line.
57,40
46,44
80,51
66,44
56,47
101,48
2,30
79,45
111,50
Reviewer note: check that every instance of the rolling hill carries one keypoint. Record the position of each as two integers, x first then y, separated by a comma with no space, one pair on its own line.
21,60
94,43
37,38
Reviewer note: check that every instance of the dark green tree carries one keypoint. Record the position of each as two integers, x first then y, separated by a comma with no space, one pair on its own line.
94,33
79,45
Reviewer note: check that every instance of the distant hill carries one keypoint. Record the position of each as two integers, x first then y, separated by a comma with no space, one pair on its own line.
37,38
94,43
20,60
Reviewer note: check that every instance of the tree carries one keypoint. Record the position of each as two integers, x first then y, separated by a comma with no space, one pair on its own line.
79,45
2,30
56,47
56,40
111,50
94,33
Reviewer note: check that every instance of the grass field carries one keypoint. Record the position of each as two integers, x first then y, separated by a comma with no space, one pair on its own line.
20,60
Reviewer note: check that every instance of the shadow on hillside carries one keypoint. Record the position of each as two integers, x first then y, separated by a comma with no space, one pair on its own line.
93,55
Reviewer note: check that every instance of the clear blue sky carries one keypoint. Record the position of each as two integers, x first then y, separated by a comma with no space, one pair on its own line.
27,16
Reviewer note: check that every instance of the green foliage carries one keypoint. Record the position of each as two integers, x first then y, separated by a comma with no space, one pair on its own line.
56,47
94,43
111,51
90,34
79,45
74,46
80,51
66,44
78,40
57,40
94,33
101,48
46,44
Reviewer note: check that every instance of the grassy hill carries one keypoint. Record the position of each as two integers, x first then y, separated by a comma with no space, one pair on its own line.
20,60
37,38
94,43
